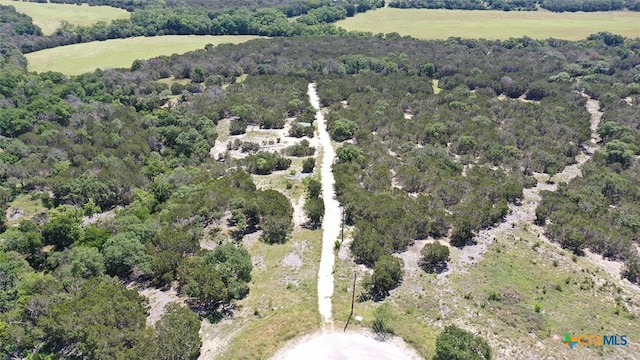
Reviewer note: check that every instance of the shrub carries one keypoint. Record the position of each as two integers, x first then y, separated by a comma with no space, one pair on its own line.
308,165
434,257
458,344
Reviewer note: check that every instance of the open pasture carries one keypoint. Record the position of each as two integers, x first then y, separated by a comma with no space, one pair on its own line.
49,16
119,53
442,24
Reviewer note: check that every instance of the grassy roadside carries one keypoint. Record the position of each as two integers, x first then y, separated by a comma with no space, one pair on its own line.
49,16
120,53
442,24
522,295
532,293
282,302
283,299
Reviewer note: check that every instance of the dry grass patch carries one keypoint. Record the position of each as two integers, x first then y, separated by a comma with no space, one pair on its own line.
442,24
120,53
49,16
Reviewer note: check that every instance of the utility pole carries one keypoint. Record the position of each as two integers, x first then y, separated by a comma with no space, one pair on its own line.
342,229
353,300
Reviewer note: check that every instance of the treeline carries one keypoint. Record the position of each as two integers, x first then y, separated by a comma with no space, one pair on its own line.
15,23
159,21
590,5
290,7
506,5
521,5
58,291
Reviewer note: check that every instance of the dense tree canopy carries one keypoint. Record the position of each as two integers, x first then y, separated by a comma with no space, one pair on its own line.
411,164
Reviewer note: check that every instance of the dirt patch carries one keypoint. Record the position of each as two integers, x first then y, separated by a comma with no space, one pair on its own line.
158,300
412,256
215,338
100,217
292,260
612,267
14,214
346,345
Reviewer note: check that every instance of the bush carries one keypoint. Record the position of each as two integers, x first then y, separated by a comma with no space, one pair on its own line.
314,209
308,165
387,274
297,130
264,163
457,344
314,187
237,127
300,150
434,257
343,129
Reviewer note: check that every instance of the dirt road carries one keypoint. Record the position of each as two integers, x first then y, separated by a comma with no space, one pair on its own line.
339,345
331,219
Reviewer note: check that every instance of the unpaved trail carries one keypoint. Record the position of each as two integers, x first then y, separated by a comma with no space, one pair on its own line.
331,219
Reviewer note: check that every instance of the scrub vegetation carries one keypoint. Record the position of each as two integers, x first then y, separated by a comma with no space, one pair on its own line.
195,175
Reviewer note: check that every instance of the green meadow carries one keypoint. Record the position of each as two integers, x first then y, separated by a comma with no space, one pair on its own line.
49,16
441,24
119,53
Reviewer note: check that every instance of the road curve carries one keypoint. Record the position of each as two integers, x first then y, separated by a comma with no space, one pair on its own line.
331,219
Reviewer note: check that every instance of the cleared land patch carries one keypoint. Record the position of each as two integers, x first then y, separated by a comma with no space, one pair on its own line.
119,53
49,16
442,24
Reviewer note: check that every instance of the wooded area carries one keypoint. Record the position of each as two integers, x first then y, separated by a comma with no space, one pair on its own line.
411,164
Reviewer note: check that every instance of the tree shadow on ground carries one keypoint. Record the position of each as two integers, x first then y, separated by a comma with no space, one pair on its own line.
312,225
434,268
214,314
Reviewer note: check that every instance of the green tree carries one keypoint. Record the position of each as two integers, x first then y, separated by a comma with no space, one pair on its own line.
308,165
86,262
123,253
631,270
275,229
26,239
457,344
343,129
428,70
348,153
63,228
313,188
176,334
102,319
387,274
314,209
434,256
219,277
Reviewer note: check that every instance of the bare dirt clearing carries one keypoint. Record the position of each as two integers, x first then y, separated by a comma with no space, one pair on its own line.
158,299
335,346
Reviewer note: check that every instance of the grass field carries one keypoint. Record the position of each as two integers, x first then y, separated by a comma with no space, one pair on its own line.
539,294
119,53
441,24
49,16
